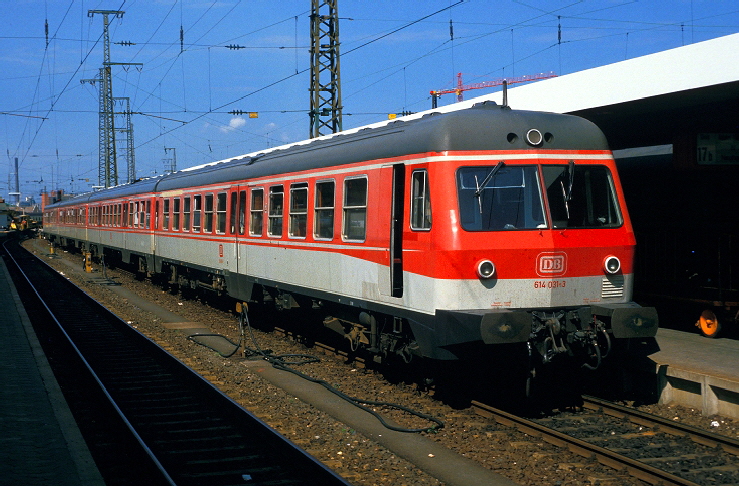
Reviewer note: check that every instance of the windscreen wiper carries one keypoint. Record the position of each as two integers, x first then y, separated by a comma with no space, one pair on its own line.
481,187
571,174
567,193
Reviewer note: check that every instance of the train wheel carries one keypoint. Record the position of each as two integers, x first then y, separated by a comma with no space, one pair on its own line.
709,324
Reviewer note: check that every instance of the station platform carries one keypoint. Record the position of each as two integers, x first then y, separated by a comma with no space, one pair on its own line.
40,443
698,372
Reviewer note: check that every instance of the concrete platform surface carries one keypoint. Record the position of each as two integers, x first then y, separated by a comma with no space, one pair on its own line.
698,372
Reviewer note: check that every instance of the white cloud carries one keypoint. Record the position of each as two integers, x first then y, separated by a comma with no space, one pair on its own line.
233,124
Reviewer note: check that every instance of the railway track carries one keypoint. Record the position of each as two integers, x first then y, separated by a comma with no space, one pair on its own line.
188,431
651,448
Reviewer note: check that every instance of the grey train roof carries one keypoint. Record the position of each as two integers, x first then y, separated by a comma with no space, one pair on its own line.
485,126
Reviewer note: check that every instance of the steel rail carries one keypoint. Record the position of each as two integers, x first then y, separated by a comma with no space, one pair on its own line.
604,456
90,370
699,436
142,383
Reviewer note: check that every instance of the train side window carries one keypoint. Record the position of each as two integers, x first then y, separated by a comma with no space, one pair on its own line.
242,212
298,209
324,210
197,206
420,201
176,214
208,211
142,213
131,212
355,209
233,212
257,212
166,215
186,214
221,212
276,197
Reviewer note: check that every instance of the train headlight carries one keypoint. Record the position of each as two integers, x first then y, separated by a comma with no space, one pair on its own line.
485,269
612,264
534,137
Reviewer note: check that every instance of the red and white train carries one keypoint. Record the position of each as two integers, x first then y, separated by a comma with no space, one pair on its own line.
439,236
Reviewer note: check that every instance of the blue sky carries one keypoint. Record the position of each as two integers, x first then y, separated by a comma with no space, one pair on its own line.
391,59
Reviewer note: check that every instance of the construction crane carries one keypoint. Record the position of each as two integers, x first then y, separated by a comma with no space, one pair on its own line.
461,87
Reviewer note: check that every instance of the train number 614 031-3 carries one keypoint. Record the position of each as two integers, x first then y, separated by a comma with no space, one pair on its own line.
549,284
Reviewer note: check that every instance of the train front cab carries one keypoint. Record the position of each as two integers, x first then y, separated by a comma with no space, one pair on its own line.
529,250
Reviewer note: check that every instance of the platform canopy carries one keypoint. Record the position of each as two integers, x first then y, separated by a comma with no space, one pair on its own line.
646,100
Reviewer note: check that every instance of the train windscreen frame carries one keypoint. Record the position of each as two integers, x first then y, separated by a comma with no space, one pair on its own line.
500,198
581,196
509,197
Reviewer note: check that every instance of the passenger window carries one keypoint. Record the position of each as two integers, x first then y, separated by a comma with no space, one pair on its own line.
298,209
186,214
257,212
420,201
148,214
221,213
176,214
242,212
276,196
208,226
233,213
197,206
166,215
355,209
324,210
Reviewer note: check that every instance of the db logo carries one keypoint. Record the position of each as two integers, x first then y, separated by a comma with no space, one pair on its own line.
220,251
551,264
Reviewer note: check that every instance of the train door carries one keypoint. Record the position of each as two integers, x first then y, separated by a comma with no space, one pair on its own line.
152,224
396,231
237,230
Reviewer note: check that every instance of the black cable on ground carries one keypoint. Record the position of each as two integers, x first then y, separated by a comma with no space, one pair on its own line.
279,362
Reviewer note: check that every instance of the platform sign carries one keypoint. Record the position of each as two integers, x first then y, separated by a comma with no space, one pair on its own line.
718,149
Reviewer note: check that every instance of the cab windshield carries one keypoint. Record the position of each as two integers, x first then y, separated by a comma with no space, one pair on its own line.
504,197
581,196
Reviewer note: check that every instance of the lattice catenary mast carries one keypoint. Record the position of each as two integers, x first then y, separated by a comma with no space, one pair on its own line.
325,97
107,164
